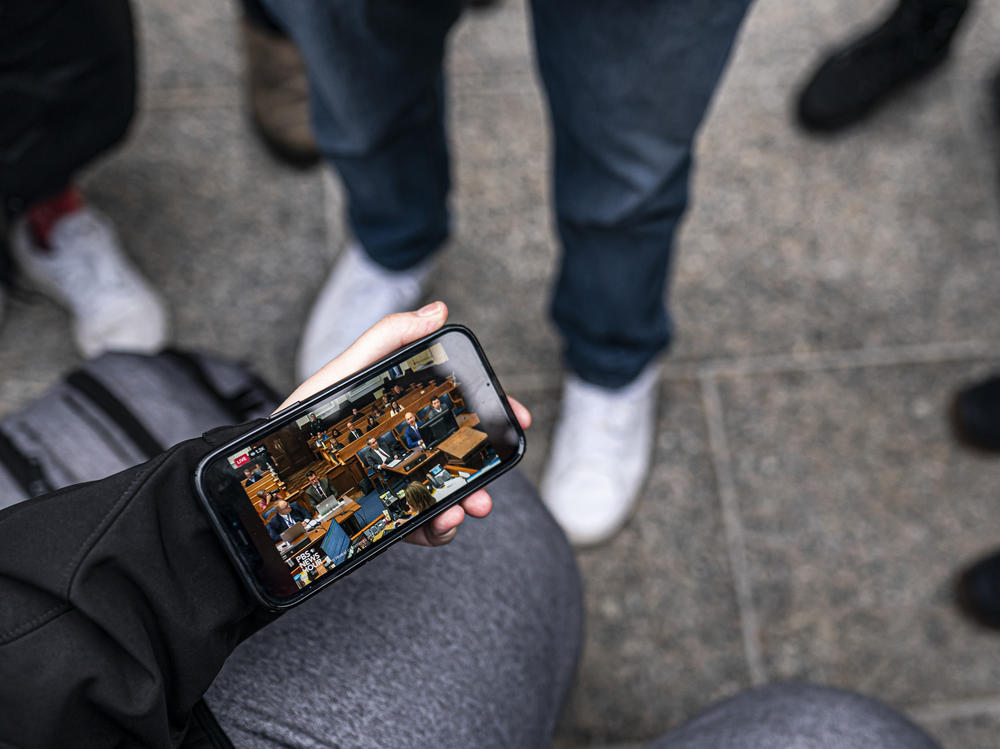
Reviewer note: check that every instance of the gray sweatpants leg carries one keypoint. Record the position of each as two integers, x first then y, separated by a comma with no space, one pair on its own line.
797,716
470,645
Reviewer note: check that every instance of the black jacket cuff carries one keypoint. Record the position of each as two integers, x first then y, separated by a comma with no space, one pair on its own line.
119,607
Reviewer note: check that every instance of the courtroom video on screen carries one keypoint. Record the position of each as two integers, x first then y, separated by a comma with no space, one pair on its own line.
361,466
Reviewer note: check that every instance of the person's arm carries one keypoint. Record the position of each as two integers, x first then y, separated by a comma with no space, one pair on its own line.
118,605
272,531
311,497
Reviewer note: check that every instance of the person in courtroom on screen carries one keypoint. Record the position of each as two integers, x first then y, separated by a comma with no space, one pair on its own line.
335,441
315,426
437,408
376,456
418,498
411,435
318,489
353,433
286,516
264,498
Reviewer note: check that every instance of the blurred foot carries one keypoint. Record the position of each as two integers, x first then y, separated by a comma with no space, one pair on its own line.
856,79
976,414
357,294
600,455
978,591
279,95
82,267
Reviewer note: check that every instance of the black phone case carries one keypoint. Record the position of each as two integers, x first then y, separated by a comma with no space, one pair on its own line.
300,408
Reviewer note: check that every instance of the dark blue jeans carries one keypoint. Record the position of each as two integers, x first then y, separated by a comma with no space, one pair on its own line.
628,85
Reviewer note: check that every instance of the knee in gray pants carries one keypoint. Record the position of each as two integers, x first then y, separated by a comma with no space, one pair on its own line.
799,715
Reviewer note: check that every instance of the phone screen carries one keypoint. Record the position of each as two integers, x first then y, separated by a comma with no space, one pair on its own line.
327,484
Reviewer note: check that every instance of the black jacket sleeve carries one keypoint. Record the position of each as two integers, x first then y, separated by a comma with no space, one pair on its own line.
118,606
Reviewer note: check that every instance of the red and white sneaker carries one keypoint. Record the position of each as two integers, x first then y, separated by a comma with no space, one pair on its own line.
84,269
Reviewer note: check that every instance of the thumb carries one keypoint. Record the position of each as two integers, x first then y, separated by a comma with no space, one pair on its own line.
384,337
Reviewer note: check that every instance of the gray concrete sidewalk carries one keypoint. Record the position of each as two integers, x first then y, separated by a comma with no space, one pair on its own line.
808,505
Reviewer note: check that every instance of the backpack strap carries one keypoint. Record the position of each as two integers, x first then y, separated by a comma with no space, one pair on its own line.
239,404
94,390
24,469
205,729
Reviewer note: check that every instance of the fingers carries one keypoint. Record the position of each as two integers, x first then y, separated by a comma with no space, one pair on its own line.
522,414
444,527
440,530
478,504
384,337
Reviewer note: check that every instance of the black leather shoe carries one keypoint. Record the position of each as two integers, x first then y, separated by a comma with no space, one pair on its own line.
855,80
976,414
978,591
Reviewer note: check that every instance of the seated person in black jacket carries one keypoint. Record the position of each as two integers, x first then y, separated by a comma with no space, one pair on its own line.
315,426
335,442
286,516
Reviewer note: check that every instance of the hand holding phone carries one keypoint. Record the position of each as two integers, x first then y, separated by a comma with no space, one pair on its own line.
388,334
459,430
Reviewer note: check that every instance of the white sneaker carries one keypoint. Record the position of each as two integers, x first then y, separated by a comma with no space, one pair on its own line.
358,293
85,270
599,457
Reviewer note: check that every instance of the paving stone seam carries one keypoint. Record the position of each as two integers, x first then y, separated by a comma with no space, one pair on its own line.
976,146
952,709
155,98
733,527
544,381
471,86
879,356
191,97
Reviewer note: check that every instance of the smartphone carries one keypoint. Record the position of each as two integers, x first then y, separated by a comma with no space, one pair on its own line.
331,482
